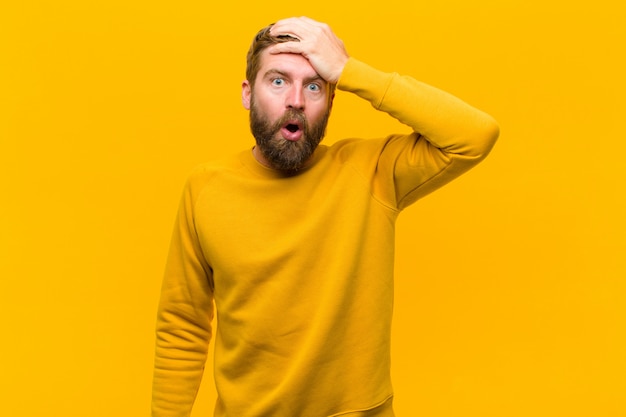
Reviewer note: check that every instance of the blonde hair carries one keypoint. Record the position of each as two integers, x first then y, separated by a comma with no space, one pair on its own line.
261,41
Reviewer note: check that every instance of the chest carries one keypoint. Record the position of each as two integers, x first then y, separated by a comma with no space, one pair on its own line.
243,222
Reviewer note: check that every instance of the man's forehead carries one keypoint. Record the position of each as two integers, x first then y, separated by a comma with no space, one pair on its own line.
293,64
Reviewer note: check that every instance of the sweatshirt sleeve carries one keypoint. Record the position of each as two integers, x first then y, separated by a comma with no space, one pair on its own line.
449,136
185,313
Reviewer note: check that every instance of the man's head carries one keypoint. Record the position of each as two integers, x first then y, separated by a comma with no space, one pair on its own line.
289,103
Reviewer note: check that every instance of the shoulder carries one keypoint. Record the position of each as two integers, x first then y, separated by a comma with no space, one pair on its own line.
351,147
358,149
206,173
216,166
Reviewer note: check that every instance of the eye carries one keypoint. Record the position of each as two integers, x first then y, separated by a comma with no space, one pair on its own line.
278,82
313,87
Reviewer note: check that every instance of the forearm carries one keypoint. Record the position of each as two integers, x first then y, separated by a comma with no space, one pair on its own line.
444,120
180,357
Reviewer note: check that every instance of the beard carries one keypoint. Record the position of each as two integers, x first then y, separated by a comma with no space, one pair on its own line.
283,154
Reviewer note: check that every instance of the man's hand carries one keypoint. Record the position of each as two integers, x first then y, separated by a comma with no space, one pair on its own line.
316,42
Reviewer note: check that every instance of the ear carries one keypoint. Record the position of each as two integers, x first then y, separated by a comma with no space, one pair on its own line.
246,94
330,98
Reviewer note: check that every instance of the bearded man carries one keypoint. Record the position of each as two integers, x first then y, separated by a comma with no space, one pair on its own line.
292,243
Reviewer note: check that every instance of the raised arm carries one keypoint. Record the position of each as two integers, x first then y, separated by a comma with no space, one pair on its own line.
450,136
446,121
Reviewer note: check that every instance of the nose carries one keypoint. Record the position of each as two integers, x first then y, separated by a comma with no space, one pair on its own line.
295,97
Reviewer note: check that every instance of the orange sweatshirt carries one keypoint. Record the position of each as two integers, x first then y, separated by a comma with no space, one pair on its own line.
300,267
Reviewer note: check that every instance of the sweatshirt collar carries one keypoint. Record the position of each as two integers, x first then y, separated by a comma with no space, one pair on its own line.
251,163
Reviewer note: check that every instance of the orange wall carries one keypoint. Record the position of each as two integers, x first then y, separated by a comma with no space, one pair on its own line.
510,281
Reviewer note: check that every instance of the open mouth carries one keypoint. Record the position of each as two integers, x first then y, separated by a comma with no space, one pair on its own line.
293,128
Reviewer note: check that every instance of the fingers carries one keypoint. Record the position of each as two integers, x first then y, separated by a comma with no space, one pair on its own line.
303,29
313,40
311,35
293,47
296,27
300,29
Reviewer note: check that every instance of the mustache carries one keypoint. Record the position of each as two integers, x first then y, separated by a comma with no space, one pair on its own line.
289,116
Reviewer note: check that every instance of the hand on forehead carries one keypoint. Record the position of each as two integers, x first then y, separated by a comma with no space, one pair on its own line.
313,40
296,27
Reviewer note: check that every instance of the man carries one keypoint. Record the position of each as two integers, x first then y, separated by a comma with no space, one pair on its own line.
293,242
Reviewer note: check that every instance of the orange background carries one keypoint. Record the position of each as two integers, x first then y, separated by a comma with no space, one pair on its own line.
510,281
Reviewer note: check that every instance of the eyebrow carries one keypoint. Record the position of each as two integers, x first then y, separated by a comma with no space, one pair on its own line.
275,71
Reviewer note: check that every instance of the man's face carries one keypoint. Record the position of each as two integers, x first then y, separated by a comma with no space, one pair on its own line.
289,108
